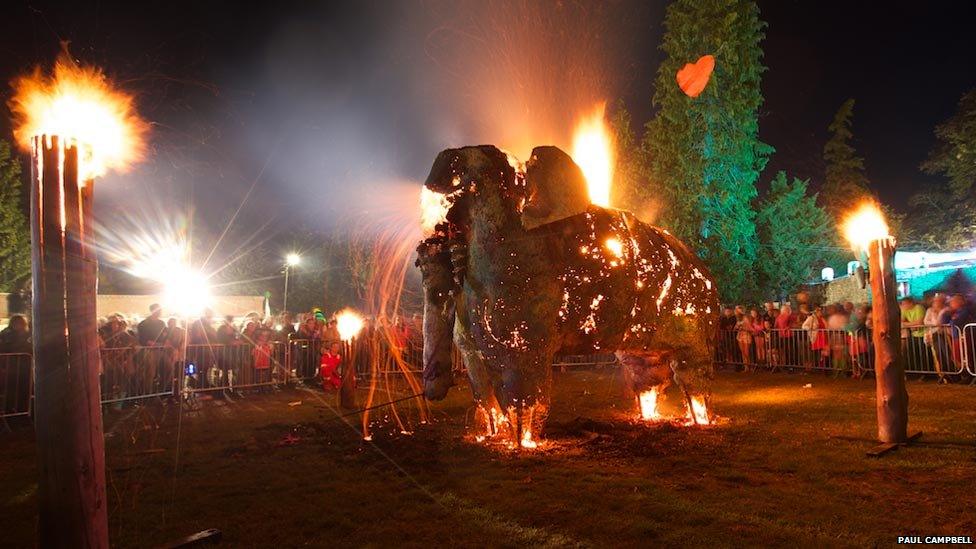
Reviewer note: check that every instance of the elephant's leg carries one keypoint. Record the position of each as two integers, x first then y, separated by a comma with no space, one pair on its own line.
693,374
525,393
648,374
483,384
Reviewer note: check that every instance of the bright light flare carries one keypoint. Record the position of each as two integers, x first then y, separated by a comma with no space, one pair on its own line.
593,152
349,323
648,405
864,224
79,103
433,209
293,259
186,291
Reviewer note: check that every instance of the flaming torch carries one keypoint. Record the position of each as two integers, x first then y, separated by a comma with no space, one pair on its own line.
76,127
867,231
349,323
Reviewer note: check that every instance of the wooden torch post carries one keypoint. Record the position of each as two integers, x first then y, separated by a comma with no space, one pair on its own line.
67,409
889,365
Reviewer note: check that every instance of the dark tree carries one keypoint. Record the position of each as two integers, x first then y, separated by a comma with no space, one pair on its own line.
845,183
794,233
943,216
704,153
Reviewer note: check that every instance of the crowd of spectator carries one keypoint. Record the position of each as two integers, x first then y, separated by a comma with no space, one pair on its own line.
837,336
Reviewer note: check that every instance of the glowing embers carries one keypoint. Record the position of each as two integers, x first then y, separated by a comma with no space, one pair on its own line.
496,427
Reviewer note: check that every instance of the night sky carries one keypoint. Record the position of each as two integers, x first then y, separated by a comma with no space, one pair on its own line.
320,108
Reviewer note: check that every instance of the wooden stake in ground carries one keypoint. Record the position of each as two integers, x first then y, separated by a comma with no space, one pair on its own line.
67,409
889,365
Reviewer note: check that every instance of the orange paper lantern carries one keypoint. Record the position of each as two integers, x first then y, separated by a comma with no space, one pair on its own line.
693,77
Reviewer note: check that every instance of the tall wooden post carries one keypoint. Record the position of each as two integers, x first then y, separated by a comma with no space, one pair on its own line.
67,409
889,365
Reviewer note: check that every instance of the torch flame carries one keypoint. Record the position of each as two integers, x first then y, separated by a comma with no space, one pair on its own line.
865,224
349,323
433,209
593,152
79,103
648,405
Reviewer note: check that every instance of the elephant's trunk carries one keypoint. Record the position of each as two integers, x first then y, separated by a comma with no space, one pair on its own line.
439,288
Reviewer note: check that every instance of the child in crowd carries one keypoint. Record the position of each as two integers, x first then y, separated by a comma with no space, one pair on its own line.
329,367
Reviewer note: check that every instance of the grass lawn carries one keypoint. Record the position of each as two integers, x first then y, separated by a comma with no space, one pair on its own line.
786,466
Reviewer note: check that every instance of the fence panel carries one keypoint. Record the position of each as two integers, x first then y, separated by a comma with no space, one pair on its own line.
16,384
968,348
132,373
231,367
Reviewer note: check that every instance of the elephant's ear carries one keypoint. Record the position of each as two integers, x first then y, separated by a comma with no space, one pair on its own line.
555,188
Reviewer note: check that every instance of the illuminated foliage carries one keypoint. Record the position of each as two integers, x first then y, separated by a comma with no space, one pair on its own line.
704,153
14,235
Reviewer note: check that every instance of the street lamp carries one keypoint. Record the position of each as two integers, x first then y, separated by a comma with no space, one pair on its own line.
291,260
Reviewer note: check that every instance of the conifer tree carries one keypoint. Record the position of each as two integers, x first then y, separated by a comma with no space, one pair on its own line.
704,154
845,183
14,234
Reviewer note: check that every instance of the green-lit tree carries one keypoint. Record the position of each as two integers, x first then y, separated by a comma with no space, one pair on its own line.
704,154
845,183
14,234
794,235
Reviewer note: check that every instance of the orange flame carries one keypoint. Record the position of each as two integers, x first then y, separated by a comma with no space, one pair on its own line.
864,224
698,413
79,103
593,152
648,405
433,209
349,323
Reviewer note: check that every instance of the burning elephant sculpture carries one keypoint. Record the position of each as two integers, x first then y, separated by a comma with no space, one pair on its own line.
522,268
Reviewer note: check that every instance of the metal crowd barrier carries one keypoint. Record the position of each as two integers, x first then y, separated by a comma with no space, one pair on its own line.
15,384
574,361
133,373
937,350
232,367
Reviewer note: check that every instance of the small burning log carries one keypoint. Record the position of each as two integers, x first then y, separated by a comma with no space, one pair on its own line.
867,231
76,127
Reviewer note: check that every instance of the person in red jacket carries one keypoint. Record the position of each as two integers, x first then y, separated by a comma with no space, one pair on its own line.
329,368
